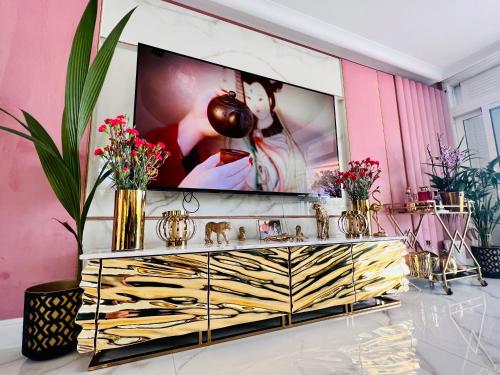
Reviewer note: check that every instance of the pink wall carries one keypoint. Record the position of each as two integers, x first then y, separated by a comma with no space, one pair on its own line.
392,119
373,126
35,42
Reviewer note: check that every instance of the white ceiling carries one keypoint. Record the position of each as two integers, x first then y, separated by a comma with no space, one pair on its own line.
429,40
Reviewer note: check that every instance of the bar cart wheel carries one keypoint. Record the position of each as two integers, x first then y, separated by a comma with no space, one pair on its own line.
483,282
448,290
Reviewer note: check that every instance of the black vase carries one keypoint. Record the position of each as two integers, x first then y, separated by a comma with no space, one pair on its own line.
49,328
489,260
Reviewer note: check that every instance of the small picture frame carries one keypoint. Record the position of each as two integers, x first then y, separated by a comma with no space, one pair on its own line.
267,228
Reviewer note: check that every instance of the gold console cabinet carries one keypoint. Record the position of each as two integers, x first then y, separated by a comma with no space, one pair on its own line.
163,301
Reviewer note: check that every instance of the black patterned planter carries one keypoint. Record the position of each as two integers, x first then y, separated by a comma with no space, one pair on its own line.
49,328
489,259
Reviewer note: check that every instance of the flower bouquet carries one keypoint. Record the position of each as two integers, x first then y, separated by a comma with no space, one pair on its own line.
133,162
359,179
357,182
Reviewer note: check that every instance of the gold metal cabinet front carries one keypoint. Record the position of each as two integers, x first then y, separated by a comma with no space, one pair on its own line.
86,316
321,277
379,268
148,298
248,286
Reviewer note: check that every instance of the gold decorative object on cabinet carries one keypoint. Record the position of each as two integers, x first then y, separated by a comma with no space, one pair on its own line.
219,229
363,205
299,235
176,228
352,224
321,276
375,208
128,223
242,234
322,222
248,286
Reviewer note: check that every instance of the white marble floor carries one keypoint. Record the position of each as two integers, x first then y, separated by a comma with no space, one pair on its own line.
431,333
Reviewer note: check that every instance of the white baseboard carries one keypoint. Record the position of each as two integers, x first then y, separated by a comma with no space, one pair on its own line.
11,333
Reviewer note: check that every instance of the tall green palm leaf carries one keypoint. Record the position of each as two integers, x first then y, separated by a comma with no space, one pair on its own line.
83,84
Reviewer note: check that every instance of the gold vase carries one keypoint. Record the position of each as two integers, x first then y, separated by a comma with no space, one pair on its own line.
363,206
453,198
128,223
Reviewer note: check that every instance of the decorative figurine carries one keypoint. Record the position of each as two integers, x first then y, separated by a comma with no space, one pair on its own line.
219,229
299,236
242,234
322,222
375,208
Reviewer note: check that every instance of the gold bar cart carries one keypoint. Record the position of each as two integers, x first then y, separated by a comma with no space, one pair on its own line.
457,239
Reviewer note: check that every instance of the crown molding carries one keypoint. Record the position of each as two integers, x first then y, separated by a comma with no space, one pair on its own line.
285,23
473,65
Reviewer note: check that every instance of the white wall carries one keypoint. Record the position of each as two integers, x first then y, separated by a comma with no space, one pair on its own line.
180,30
472,93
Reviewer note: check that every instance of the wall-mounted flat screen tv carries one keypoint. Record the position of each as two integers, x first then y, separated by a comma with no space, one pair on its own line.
230,130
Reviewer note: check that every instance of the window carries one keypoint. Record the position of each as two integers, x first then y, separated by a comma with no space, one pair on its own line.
495,123
476,140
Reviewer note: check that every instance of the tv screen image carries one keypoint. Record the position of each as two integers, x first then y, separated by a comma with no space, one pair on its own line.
229,130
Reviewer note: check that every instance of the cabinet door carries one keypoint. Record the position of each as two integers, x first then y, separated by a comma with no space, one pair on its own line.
321,277
148,298
379,268
248,286
87,313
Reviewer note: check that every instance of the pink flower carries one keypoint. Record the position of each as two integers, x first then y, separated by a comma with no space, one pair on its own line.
102,128
139,142
120,117
134,153
98,152
161,145
125,169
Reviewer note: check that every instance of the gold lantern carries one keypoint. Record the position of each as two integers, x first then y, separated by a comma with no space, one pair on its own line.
176,228
353,223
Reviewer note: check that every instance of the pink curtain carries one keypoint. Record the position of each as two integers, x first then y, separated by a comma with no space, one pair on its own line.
423,114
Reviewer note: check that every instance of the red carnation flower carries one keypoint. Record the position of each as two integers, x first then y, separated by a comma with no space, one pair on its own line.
102,128
132,131
98,152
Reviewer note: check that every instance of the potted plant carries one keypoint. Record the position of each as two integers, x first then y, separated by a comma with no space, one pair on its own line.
482,191
358,182
50,309
133,162
446,173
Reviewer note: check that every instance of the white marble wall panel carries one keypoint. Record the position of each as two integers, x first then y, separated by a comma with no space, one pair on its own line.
180,30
